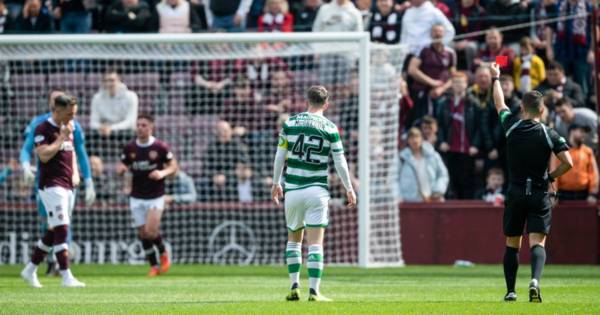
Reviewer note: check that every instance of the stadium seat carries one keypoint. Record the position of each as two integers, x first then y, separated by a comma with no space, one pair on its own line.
32,83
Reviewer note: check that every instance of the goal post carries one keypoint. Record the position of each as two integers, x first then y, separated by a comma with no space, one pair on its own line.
163,71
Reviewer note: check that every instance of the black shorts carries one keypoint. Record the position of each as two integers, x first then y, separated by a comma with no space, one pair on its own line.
535,210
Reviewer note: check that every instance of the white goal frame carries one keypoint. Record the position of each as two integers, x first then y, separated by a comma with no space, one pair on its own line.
362,39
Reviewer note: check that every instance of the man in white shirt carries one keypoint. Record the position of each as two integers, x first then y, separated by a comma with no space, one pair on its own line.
417,23
114,107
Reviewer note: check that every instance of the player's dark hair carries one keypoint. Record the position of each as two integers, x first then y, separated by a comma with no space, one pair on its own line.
61,90
553,65
64,100
563,102
317,96
533,101
147,117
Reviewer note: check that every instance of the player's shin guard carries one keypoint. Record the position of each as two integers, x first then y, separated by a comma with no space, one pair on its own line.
538,259
511,266
160,245
293,257
61,249
315,266
43,247
148,246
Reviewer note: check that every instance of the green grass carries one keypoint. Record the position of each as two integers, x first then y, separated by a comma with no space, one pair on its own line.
261,290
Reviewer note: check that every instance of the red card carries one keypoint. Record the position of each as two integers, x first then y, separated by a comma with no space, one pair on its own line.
502,61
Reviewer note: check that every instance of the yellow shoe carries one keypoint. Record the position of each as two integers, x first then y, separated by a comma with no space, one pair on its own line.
165,263
318,298
294,295
154,271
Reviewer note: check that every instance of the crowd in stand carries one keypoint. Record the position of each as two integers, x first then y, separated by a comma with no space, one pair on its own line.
453,146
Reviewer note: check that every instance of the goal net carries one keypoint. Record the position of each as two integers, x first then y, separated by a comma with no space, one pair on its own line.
219,101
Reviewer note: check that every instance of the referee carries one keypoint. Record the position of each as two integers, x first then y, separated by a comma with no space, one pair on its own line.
529,146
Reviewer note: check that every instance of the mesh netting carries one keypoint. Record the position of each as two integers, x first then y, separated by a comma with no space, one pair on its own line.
192,89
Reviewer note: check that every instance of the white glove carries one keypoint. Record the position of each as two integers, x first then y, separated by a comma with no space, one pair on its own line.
28,173
90,193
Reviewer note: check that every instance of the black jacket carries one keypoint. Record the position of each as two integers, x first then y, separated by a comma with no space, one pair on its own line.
43,24
570,90
141,19
472,120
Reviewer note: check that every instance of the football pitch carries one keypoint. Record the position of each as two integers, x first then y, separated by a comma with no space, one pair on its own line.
194,289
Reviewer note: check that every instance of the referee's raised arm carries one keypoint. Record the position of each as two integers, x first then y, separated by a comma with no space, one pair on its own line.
497,89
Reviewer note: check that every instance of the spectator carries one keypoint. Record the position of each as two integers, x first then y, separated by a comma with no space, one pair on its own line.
13,8
422,175
129,16
227,15
5,18
33,19
180,16
429,129
494,189
237,109
573,39
219,162
248,189
386,24
305,18
511,99
493,48
417,23
180,189
503,13
73,16
581,183
460,139
468,19
482,87
338,16
364,7
8,169
276,18
212,79
543,36
566,116
114,107
492,135
431,72
558,85
105,186
282,97
529,69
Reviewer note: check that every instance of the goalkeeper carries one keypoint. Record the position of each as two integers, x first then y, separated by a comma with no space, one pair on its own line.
30,177
306,141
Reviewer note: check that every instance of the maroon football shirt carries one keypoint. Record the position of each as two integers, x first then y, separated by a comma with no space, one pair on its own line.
58,171
436,65
142,159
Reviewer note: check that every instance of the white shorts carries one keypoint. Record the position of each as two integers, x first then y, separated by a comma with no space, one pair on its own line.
140,208
307,207
59,203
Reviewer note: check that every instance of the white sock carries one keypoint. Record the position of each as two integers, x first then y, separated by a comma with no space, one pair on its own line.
66,274
315,266
31,268
293,254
